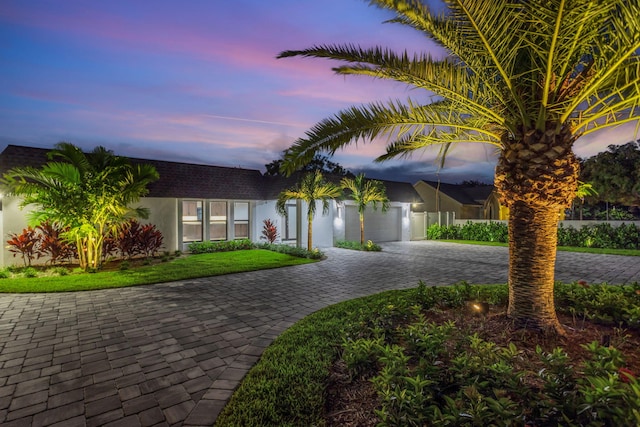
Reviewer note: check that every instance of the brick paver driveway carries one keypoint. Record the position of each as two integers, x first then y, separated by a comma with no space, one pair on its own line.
171,354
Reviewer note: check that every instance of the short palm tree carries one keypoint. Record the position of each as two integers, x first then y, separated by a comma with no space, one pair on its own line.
365,192
312,188
527,77
90,194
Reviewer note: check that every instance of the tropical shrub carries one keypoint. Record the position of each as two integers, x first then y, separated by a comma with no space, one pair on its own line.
53,245
269,231
47,240
26,244
150,240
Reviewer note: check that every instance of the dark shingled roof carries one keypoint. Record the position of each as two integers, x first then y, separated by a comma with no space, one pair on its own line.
465,194
176,179
185,180
182,180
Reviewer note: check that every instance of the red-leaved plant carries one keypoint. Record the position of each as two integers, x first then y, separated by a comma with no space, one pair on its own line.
26,244
269,231
52,244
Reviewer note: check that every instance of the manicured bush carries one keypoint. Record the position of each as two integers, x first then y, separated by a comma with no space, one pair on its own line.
291,250
348,244
221,246
602,235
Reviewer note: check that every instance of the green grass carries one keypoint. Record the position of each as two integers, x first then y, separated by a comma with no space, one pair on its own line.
625,252
188,267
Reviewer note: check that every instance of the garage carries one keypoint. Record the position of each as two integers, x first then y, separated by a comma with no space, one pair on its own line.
378,226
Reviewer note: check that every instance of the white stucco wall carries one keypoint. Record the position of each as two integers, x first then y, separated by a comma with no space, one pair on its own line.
322,226
14,220
163,213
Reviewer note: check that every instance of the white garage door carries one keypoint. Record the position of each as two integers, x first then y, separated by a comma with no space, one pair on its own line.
378,226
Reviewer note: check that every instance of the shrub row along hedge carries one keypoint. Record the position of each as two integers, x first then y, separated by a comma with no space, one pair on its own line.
625,236
367,247
237,245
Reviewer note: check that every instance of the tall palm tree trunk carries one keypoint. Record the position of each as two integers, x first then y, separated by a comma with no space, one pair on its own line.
536,176
310,233
533,235
362,228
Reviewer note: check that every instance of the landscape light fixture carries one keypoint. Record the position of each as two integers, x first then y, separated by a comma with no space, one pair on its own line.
480,308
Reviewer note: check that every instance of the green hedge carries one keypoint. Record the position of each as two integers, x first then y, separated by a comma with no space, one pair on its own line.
237,245
604,235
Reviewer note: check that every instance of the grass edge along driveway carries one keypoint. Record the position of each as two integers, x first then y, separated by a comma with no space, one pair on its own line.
188,267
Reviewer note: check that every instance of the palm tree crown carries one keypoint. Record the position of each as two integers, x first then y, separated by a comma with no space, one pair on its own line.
365,192
311,188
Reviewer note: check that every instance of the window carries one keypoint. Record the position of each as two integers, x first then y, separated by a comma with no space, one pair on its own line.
241,220
192,220
218,220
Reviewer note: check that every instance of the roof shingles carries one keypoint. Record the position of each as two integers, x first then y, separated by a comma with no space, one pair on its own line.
185,180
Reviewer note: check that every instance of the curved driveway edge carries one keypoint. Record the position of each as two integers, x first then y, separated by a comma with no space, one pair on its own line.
172,354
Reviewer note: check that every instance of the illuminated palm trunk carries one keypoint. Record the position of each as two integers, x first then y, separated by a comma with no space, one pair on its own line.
533,235
536,177
362,228
310,232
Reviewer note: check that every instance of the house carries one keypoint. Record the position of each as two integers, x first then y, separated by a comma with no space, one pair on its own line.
467,201
193,202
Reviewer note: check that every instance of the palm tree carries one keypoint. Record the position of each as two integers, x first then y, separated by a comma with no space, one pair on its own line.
527,77
363,192
90,194
312,188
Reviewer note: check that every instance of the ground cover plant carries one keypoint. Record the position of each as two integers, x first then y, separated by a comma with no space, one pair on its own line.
426,356
368,246
604,235
142,271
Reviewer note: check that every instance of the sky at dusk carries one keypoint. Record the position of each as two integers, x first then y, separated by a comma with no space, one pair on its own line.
198,81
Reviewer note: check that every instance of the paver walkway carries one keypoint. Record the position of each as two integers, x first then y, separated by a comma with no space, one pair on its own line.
171,354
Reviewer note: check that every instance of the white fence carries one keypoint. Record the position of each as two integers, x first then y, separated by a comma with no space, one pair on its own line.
420,221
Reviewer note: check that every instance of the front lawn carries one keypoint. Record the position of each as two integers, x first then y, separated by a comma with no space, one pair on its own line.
185,267
424,357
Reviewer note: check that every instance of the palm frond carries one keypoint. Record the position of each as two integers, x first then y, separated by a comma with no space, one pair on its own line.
615,52
368,122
